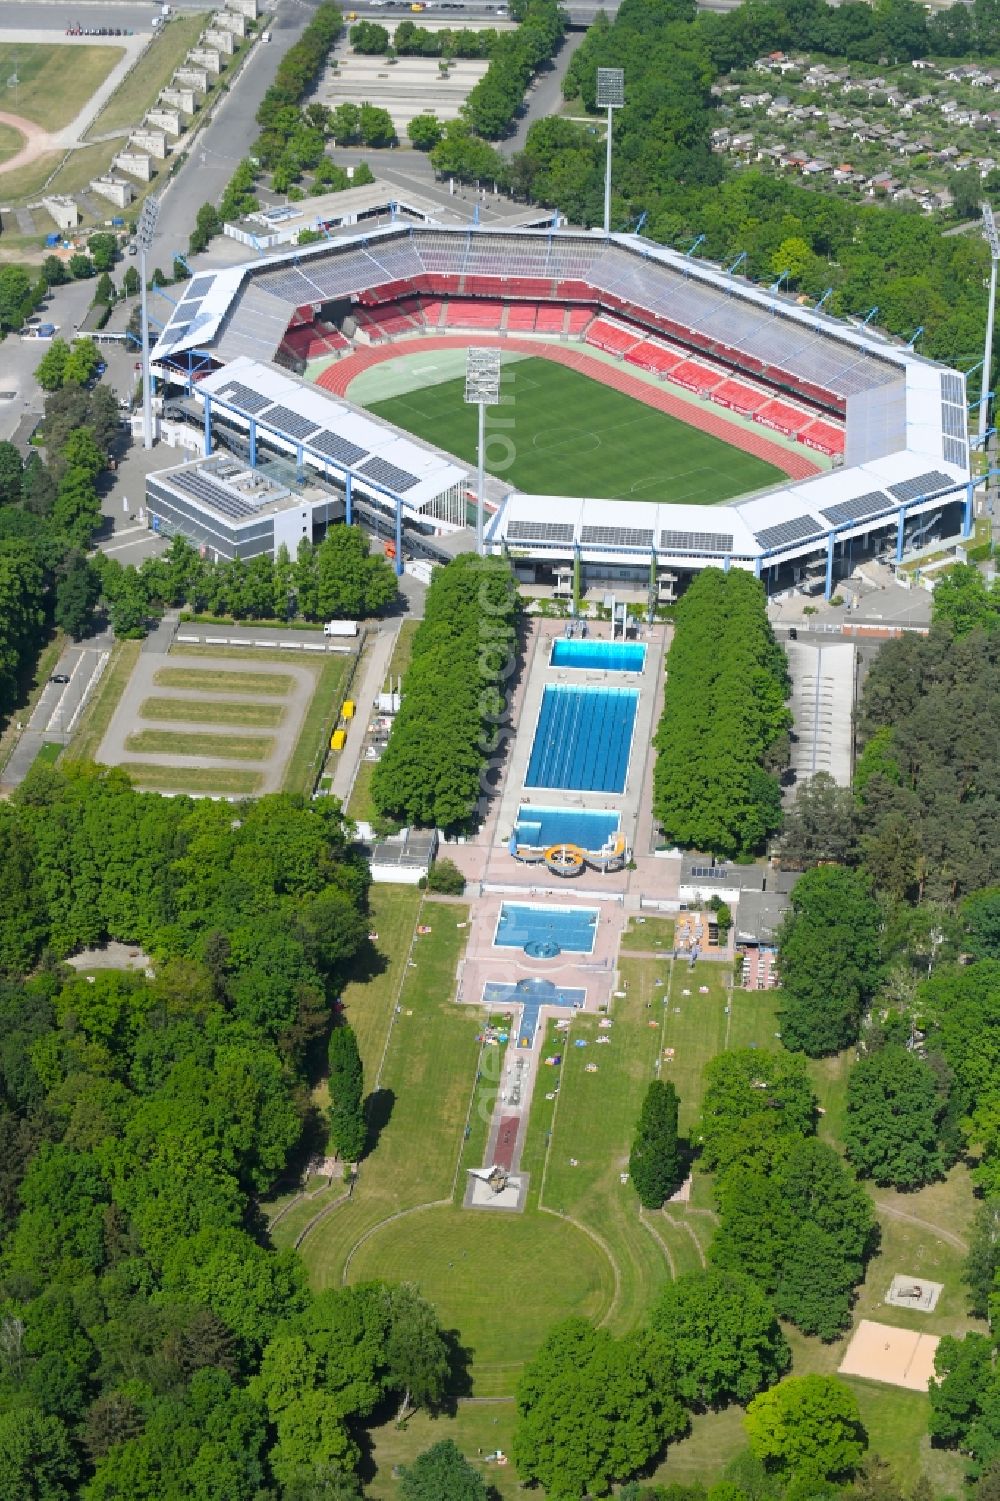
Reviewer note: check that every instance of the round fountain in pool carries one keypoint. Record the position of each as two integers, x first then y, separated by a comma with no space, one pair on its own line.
541,948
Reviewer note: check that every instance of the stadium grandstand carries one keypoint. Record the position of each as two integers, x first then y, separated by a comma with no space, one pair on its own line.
237,345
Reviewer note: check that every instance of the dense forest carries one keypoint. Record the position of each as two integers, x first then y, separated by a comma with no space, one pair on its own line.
723,734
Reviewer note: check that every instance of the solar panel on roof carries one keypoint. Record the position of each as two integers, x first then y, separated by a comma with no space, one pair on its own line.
921,484
290,422
715,542
190,308
953,420
199,286
709,872
785,532
203,489
539,531
618,536
337,448
951,388
384,473
177,329
858,508
954,452
239,395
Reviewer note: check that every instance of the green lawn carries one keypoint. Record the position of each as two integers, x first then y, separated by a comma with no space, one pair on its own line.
571,435
648,934
204,680
214,711
193,743
11,141
151,73
55,79
319,720
192,778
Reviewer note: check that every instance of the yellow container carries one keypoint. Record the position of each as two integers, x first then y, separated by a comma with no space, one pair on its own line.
347,712
338,740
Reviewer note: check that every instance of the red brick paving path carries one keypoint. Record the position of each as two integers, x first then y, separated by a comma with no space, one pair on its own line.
337,377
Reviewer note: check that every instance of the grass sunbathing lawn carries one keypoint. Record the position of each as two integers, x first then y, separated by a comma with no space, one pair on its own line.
192,778
214,711
54,79
647,934
151,73
192,743
574,436
319,720
204,680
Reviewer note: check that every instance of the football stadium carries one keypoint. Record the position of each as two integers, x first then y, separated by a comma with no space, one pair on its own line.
658,414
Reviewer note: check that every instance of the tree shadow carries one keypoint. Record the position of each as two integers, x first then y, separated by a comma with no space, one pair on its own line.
378,1113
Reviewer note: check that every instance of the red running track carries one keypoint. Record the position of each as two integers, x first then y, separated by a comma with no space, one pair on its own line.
337,378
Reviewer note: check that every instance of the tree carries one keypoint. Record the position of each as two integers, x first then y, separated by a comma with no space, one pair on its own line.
655,1164
417,1357
77,592
52,367
894,1116
980,914
103,251
10,474
963,1374
829,959
592,1409
962,598
807,1428
424,131
347,1116
54,271
801,1226
753,1101
207,224
442,1473
724,1338
130,282
369,39
983,1261
819,823
444,876
37,1462
16,297
80,266
351,582
104,292
375,126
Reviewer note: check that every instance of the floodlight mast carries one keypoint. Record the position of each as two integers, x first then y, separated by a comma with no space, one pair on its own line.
482,389
144,233
610,96
992,238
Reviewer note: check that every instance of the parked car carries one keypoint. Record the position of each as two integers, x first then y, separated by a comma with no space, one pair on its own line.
59,677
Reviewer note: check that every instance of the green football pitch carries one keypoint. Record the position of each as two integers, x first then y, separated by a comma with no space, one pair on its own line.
558,432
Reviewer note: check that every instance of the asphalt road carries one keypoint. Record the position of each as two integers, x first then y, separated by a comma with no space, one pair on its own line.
221,146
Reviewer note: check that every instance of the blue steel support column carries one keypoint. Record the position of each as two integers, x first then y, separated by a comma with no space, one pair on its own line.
967,518
399,535
831,543
208,424
756,567
725,564
299,471
900,535
348,501
253,444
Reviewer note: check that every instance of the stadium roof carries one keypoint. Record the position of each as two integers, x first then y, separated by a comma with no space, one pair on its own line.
246,309
785,522
335,434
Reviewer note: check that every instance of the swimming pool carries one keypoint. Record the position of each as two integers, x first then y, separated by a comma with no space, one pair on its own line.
583,739
542,827
599,656
544,932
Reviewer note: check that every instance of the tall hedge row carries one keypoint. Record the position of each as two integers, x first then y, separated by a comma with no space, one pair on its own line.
515,57
302,65
453,710
723,733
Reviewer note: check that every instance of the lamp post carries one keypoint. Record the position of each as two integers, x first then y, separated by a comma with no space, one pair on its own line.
482,389
144,233
992,238
610,96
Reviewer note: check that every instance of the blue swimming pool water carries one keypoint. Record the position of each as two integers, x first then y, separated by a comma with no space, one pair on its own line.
583,739
599,656
573,929
531,995
546,826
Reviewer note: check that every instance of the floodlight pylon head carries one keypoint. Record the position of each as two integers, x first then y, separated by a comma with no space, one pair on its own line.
482,376
610,88
146,228
990,230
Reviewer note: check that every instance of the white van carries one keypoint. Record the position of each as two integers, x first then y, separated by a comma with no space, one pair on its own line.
340,628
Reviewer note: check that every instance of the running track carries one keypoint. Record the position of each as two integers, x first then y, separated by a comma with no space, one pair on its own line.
337,377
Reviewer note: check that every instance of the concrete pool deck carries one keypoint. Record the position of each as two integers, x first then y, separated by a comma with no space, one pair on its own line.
538,676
